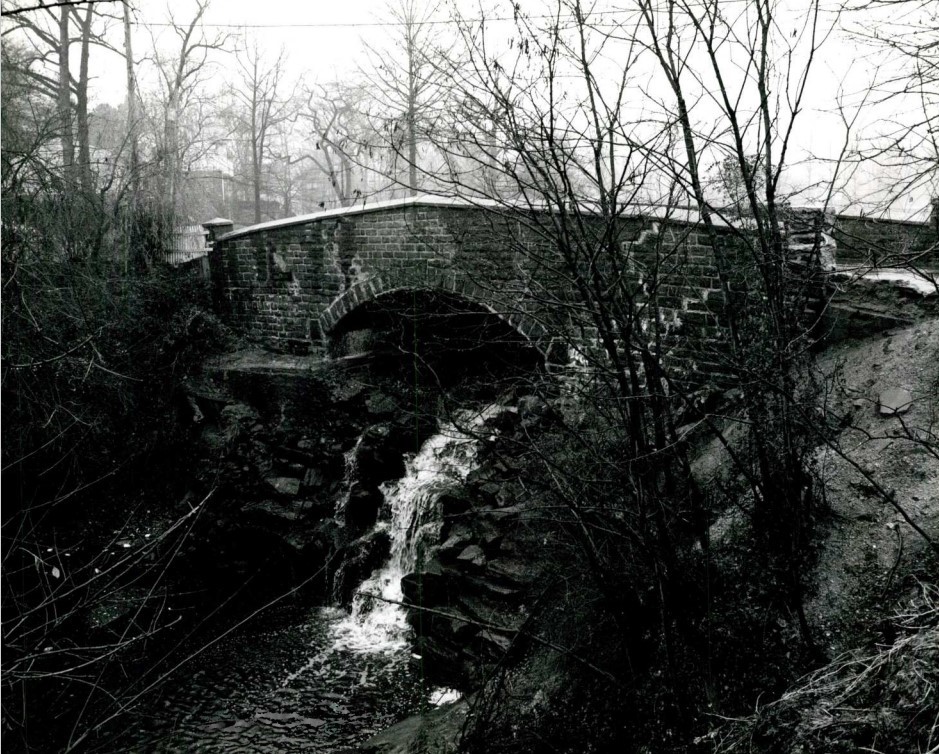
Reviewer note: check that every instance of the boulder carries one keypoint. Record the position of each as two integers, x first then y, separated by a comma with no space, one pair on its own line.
347,391
455,543
379,456
313,480
498,643
362,557
453,504
294,455
510,572
265,510
426,586
285,485
380,404
895,401
505,421
472,555
436,732
454,531
503,593
476,606
411,429
361,508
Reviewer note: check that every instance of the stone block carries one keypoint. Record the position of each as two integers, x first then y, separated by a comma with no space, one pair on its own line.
895,401
288,486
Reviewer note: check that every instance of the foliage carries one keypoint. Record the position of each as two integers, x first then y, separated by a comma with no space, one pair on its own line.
93,361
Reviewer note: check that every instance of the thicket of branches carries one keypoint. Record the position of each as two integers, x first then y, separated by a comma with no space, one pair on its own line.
596,134
97,334
589,120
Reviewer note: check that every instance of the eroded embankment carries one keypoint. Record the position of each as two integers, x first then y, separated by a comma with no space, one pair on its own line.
504,612
503,604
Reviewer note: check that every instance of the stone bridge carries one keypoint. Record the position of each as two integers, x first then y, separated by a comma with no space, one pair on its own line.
301,283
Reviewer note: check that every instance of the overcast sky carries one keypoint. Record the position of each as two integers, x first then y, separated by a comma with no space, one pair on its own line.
325,40
322,39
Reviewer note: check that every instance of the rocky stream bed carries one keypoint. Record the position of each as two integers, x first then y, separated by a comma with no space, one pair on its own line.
347,492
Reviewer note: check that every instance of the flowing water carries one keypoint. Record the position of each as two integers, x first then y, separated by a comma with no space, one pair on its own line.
278,686
377,622
320,680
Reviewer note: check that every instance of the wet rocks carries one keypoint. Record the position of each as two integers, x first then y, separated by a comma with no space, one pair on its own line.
470,597
381,404
509,573
360,511
428,585
472,555
263,510
436,732
308,486
360,559
379,456
284,485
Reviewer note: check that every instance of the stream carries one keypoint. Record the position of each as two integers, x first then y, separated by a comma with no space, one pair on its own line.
319,680
280,685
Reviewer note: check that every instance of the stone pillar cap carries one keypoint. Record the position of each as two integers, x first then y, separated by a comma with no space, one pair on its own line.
215,222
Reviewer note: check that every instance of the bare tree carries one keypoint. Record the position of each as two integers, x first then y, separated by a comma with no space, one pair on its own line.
58,4
588,118
53,33
132,125
341,138
408,85
261,106
181,74
902,37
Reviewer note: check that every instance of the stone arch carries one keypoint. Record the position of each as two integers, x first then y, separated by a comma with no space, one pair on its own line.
372,288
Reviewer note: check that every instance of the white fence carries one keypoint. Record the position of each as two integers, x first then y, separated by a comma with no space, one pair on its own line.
188,245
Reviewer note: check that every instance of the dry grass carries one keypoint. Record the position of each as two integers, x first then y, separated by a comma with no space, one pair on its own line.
884,701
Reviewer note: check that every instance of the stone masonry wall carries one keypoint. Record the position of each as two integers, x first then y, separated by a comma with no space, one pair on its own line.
274,283
865,241
289,284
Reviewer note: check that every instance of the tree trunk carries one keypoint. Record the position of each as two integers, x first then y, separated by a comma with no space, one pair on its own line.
256,179
81,118
65,99
131,110
255,144
288,188
346,199
412,117
171,145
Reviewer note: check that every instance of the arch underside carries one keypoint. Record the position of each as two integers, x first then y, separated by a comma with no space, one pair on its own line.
378,297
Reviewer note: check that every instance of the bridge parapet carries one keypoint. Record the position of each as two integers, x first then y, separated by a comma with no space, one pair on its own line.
291,284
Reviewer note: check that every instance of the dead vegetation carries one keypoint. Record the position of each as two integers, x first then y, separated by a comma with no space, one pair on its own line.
881,701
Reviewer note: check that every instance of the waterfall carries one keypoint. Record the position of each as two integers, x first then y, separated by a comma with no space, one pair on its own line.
442,463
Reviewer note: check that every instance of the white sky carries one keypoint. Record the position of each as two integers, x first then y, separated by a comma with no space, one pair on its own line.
324,41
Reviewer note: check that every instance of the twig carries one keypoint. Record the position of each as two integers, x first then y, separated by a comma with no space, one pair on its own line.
56,4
